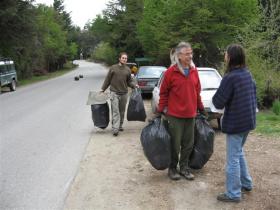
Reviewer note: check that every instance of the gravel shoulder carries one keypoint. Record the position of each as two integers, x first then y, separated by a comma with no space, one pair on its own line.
115,174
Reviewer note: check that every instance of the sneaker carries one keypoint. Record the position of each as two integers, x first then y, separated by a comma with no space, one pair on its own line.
173,174
115,133
121,129
187,174
223,197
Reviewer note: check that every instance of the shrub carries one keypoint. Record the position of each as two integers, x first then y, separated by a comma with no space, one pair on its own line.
276,107
105,53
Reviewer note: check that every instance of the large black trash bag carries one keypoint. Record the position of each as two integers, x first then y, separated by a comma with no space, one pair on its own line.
155,141
203,143
136,110
100,115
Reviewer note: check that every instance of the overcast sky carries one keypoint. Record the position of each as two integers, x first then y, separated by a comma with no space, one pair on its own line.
81,10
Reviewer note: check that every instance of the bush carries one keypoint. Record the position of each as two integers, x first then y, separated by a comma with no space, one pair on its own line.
268,84
105,53
276,107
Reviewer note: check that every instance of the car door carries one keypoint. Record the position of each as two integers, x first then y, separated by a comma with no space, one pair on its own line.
3,74
155,99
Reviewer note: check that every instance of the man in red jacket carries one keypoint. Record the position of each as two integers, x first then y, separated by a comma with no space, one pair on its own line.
179,101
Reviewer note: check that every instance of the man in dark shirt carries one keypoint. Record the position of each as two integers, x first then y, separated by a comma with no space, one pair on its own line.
119,79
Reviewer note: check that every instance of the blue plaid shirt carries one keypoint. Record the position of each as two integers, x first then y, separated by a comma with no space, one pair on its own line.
237,94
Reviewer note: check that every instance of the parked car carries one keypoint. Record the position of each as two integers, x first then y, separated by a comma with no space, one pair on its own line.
210,80
8,74
147,77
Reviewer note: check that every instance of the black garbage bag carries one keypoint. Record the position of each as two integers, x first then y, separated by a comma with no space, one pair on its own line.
100,115
155,141
203,143
136,110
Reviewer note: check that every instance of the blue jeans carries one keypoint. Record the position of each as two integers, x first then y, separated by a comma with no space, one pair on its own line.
237,174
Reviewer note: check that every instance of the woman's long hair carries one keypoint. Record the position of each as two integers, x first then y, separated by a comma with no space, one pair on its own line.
236,57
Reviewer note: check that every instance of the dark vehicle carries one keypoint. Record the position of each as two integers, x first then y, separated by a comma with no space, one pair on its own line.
147,77
8,74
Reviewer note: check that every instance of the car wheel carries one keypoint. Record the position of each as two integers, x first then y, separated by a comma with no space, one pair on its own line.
13,85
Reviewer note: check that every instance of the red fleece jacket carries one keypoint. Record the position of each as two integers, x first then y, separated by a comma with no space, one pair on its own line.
180,94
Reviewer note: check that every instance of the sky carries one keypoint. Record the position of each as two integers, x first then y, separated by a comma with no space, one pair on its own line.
81,10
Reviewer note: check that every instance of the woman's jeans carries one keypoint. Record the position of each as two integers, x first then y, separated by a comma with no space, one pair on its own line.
237,174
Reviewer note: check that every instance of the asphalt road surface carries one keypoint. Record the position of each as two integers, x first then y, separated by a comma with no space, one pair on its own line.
44,130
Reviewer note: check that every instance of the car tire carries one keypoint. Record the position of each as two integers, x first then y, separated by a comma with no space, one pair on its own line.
13,85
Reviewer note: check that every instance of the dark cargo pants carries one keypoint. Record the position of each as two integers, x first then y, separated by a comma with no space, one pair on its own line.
181,131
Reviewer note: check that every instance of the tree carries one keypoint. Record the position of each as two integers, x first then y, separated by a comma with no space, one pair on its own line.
52,38
17,37
208,25
121,18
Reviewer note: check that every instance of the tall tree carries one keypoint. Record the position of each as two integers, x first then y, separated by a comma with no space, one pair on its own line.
123,16
17,37
208,25
65,17
52,37
271,31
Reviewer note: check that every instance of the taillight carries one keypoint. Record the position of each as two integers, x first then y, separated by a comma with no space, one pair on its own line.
142,83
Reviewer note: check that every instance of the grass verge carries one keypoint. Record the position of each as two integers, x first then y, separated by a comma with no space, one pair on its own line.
268,123
68,67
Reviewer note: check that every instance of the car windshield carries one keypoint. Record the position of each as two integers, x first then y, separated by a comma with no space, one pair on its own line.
209,80
150,72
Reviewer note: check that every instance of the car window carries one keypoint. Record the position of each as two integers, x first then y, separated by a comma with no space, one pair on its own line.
209,80
2,68
150,71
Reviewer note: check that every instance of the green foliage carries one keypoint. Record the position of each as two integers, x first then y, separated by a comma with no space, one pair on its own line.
72,51
268,123
52,38
37,38
270,31
208,25
118,26
263,52
105,53
17,40
276,107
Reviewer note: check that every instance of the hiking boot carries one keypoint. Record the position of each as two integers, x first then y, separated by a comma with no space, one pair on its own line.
115,133
173,174
223,197
187,174
246,189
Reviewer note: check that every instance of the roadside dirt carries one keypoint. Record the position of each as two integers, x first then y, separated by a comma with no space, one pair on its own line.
115,174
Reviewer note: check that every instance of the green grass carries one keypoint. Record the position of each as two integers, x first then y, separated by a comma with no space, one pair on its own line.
268,123
68,68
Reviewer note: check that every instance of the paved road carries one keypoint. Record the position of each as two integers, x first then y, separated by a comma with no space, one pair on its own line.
44,130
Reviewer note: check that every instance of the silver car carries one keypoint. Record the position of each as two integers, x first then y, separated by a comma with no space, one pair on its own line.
210,80
147,77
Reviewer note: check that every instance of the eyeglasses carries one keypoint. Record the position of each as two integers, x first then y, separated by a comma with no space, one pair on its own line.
187,54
